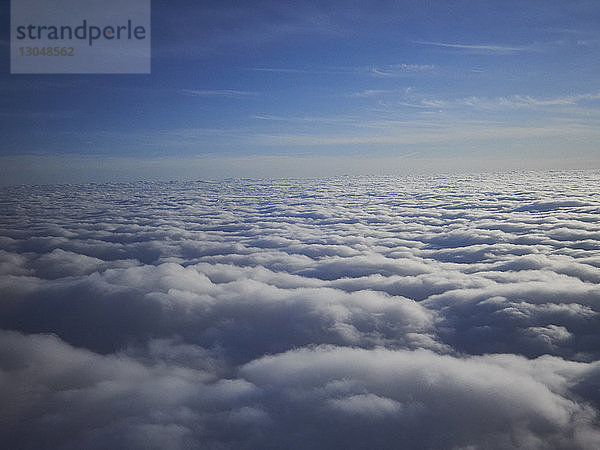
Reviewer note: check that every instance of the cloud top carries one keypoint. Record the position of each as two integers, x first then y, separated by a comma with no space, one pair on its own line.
456,311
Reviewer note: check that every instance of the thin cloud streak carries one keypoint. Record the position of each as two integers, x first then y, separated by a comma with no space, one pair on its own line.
229,93
381,71
511,102
485,48
431,134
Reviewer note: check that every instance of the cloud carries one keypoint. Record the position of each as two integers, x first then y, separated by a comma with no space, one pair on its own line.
455,311
396,70
345,397
481,48
507,102
384,71
58,396
427,133
229,93
371,93
359,394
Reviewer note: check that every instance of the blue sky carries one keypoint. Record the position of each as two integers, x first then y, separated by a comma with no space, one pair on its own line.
317,88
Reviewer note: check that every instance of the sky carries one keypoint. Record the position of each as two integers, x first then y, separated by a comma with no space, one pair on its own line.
268,89
409,288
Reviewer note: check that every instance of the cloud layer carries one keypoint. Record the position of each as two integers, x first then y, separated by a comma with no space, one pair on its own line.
425,312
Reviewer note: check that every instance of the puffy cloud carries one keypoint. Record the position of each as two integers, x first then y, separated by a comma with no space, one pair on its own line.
58,396
396,398
174,395
106,311
434,312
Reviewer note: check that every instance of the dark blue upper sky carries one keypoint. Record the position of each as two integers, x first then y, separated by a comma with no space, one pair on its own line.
411,83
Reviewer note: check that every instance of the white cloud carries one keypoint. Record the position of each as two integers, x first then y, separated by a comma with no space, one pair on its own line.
230,93
482,48
397,70
505,103
439,310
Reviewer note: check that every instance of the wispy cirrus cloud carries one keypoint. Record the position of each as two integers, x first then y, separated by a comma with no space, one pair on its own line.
454,132
371,93
294,70
381,71
481,48
512,101
307,119
527,100
229,93
396,70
